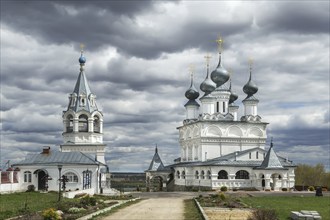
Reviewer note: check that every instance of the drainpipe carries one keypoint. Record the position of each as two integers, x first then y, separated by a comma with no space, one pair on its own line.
97,176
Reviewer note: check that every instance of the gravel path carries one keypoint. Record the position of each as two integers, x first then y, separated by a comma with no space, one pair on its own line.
151,209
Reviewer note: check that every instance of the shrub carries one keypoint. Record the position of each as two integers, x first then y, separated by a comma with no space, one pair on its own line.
311,188
31,188
264,214
222,196
223,188
88,201
235,189
284,189
51,214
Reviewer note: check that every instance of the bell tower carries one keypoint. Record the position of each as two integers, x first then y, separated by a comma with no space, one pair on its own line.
82,121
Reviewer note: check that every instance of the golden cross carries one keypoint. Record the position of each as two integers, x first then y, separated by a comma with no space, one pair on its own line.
82,46
219,42
207,57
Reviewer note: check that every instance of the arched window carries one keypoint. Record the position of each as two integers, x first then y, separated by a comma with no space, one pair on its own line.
183,175
96,123
27,177
83,123
196,175
202,175
242,174
222,174
71,177
69,125
209,175
178,174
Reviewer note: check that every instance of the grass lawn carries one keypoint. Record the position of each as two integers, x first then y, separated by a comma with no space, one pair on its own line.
28,203
191,210
285,204
17,203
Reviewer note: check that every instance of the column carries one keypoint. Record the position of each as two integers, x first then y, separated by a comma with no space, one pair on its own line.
90,125
75,124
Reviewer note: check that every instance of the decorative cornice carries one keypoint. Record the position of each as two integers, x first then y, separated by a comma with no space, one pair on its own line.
251,118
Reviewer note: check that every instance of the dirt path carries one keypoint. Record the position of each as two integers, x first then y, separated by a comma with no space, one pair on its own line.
151,209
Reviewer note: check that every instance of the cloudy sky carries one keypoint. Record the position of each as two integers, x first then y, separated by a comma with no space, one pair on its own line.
138,56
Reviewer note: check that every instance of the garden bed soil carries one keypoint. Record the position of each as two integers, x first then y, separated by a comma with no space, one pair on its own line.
213,213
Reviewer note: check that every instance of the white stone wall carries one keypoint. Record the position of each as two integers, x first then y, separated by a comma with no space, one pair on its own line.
274,180
215,139
53,183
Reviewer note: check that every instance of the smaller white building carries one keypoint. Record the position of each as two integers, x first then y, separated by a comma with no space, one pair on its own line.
80,161
44,171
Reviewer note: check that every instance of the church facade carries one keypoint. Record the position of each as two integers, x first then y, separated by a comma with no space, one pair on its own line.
79,165
220,149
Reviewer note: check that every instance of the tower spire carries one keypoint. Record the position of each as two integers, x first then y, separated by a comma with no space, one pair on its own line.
250,88
207,85
250,64
220,75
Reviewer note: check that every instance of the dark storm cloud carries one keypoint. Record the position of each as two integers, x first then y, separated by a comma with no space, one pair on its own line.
138,71
307,17
102,25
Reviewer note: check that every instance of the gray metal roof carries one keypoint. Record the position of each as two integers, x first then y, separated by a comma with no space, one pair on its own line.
82,88
231,160
271,160
56,157
156,163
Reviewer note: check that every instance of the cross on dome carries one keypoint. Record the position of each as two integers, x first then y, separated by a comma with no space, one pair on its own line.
207,57
219,42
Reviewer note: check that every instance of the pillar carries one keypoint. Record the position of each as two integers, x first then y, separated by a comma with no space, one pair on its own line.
90,125
75,124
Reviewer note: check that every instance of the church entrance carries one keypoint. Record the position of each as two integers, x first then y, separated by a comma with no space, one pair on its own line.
263,182
42,180
157,183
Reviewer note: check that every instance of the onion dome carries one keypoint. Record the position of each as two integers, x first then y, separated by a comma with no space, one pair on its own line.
207,85
82,59
250,88
220,75
233,96
192,92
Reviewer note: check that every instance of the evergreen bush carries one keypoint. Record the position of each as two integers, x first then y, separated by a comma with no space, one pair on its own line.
311,188
223,188
31,188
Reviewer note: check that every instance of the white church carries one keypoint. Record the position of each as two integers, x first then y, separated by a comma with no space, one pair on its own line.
217,147
80,160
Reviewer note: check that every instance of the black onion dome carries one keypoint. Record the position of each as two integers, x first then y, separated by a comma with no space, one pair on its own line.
233,97
220,75
250,88
192,92
207,85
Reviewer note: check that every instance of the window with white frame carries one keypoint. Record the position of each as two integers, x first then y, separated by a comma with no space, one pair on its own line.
27,177
71,177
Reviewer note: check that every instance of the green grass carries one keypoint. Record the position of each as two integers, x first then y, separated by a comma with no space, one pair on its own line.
284,205
115,209
191,210
19,203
